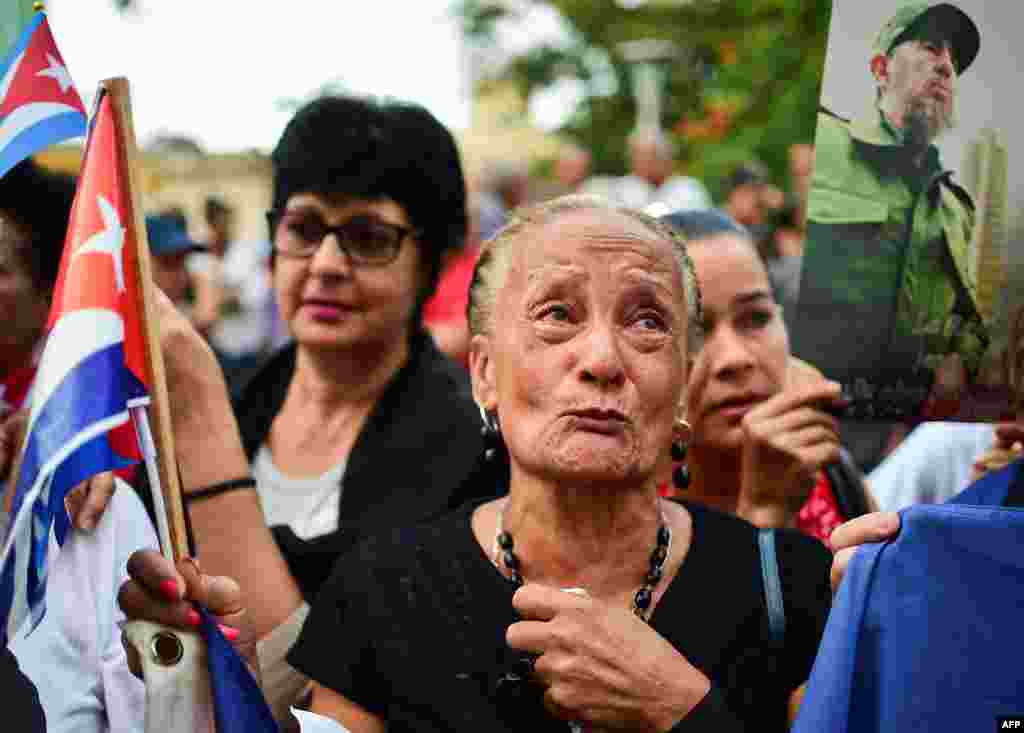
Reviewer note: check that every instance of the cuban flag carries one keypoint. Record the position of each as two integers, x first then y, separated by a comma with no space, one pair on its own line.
39,105
91,368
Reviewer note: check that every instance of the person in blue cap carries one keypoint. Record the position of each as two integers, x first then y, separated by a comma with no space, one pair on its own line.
170,247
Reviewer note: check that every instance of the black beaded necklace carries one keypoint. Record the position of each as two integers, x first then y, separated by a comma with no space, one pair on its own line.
642,599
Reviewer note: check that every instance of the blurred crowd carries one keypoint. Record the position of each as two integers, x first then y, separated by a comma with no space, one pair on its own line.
224,284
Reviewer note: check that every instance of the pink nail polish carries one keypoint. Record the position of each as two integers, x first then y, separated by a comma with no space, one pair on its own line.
169,588
193,618
230,633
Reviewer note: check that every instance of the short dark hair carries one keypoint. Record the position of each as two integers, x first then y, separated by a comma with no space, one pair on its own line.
362,147
39,201
697,224
213,207
751,172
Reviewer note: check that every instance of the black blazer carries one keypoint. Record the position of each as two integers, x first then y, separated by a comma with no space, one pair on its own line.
419,454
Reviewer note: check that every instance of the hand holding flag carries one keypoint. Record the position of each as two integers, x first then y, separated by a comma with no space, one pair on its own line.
238,704
100,363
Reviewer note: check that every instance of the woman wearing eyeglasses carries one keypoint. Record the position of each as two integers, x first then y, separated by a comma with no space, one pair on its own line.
361,423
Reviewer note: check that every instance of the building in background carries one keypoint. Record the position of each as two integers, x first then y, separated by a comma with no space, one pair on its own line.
178,173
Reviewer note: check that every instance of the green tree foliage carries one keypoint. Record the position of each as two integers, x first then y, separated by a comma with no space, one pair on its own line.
746,83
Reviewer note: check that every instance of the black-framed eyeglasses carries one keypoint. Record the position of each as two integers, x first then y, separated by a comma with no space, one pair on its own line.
367,239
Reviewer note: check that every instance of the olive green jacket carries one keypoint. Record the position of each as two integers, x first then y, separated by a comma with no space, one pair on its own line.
886,284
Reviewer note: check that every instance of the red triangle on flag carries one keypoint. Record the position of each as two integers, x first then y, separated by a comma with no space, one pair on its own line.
99,267
39,75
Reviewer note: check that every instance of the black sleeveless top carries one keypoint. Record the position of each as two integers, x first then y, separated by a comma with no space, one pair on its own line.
411,626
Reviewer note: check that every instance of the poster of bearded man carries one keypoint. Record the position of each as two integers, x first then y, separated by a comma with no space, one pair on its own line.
910,272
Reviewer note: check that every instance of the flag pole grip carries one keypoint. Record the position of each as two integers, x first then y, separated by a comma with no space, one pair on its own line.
159,408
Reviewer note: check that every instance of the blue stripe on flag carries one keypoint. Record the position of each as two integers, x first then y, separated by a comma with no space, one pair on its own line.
36,586
48,509
44,133
68,440
7,594
83,398
238,703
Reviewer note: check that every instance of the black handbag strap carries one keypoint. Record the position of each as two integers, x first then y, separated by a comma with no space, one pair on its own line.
772,586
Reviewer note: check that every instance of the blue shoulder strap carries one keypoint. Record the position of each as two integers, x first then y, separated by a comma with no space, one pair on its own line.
772,586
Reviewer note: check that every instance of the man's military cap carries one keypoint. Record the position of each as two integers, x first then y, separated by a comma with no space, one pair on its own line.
952,21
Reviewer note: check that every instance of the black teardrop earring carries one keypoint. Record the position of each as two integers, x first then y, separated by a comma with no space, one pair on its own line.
681,477
680,474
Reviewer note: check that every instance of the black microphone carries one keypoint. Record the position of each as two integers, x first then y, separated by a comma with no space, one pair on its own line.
848,486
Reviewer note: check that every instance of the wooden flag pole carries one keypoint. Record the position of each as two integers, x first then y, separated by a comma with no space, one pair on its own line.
159,407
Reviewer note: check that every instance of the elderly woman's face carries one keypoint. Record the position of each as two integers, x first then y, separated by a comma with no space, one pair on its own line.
586,361
331,303
746,351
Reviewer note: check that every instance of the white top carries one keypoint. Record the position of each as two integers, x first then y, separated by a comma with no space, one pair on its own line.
74,656
245,327
931,465
307,504
314,723
678,193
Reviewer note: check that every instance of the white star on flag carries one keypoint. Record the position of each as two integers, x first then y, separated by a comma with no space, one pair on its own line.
56,72
109,241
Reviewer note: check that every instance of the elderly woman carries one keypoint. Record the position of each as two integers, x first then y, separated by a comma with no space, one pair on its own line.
361,423
761,431
582,317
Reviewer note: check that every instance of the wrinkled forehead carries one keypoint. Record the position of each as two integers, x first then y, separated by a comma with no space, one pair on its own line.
581,241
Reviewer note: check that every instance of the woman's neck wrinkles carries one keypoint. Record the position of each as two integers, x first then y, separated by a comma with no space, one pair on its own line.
597,538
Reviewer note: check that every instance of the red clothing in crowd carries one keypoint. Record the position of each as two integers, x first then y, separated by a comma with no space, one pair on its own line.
452,295
820,513
14,388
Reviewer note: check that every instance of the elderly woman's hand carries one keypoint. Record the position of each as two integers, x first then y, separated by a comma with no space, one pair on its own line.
601,664
847,537
788,438
158,591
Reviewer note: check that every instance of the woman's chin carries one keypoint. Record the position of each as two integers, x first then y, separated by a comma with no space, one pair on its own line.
599,467
327,336
726,438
